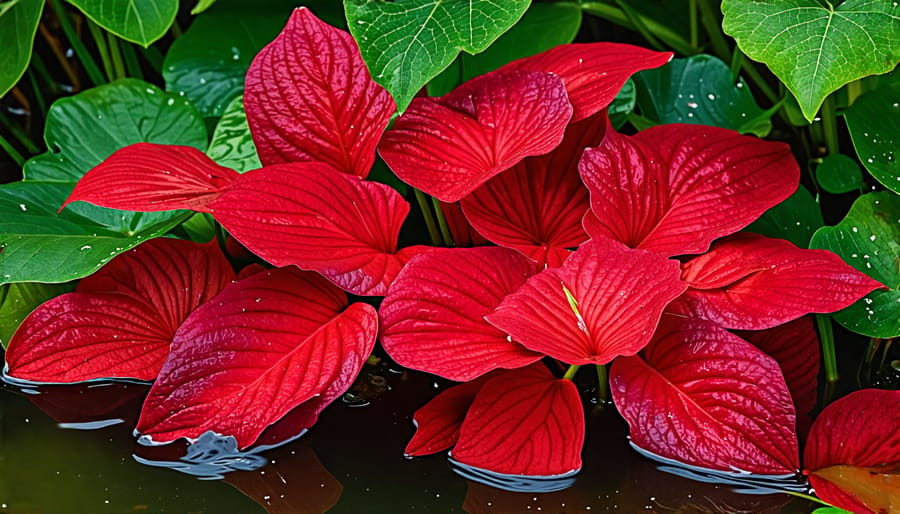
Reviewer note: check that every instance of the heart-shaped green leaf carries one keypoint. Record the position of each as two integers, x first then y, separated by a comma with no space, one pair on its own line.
232,145
868,239
18,300
138,21
700,90
839,174
794,219
408,42
874,123
18,24
816,47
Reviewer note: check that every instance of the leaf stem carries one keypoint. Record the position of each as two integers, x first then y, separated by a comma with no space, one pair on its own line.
442,222
430,225
602,383
807,497
615,15
19,134
638,23
829,356
710,20
100,42
11,150
570,373
131,61
90,67
828,119
116,55
695,30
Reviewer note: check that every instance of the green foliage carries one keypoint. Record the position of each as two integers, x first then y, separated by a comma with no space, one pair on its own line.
138,21
839,174
232,145
18,300
623,105
18,24
408,42
816,47
874,124
794,219
700,90
868,239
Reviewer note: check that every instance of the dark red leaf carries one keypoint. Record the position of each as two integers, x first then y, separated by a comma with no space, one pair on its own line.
433,315
149,177
460,229
309,97
449,146
673,189
90,405
524,422
619,295
120,321
593,72
438,422
312,216
537,206
780,284
705,397
853,452
262,347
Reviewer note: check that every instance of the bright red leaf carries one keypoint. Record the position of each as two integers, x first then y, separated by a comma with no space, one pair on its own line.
312,216
149,177
853,452
309,97
262,347
618,294
449,146
524,422
705,397
778,283
433,315
120,321
537,206
593,72
438,421
673,189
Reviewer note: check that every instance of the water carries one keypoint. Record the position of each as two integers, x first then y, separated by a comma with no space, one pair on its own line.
350,462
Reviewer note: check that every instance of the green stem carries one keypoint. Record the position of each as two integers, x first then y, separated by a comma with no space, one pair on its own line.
710,20
11,150
737,61
826,337
615,15
638,23
442,222
602,383
758,81
433,232
116,56
19,134
695,30
807,497
90,66
131,61
829,126
153,56
38,94
570,373
100,42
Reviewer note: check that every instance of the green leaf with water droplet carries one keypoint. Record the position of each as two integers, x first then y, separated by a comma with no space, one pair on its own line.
874,124
839,174
18,24
408,42
18,300
868,239
816,47
232,145
794,219
138,21
700,90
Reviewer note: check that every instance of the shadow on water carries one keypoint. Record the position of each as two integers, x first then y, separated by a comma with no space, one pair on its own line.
351,461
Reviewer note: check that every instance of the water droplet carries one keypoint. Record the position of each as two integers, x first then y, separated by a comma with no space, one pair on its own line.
711,96
23,207
692,105
873,237
170,101
85,247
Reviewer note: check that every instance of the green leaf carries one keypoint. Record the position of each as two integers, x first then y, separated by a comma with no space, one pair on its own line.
18,24
700,90
138,21
623,105
874,124
814,47
85,129
208,62
839,174
868,239
18,300
201,6
232,145
830,510
794,219
408,42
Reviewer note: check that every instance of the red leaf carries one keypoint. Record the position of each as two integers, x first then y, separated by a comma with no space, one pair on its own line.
673,189
705,397
438,422
433,315
309,97
537,206
449,146
259,349
312,216
619,293
120,321
789,283
593,72
853,452
149,177
460,229
524,422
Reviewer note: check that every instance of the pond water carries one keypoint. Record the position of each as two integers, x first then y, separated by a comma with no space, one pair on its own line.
57,457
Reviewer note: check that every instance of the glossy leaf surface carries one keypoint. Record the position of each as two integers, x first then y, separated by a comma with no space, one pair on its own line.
138,21
874,124
232,144
438,421
18,300
18,25
838,173
795,219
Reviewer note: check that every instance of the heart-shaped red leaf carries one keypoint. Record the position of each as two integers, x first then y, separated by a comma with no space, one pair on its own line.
309,97
262,347
449,146
524,422
782,283
438,421
433,315
319,219
537,206
705,397
120,321
853,452
673,189
148,177
604,301
593,72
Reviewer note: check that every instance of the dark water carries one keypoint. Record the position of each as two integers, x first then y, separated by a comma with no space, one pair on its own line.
350,462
